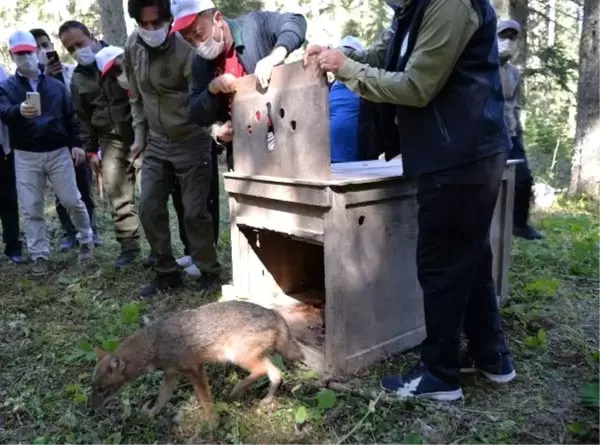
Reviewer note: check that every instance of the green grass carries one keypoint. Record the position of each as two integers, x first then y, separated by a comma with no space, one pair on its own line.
48,326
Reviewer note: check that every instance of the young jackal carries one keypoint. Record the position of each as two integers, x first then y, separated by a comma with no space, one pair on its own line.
239,332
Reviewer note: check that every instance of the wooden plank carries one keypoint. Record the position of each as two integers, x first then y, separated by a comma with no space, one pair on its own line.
297,103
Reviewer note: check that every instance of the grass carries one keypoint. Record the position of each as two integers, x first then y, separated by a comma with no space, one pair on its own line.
48,326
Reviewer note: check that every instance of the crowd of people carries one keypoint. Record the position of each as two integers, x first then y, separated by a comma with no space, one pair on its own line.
437,87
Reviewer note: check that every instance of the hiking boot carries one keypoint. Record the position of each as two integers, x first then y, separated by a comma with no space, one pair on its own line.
149,262
125,259
68,242
85,252
499,371
418,382
41,267
527,232
161,283
208,282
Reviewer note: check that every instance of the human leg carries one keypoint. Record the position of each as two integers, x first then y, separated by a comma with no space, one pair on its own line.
9,208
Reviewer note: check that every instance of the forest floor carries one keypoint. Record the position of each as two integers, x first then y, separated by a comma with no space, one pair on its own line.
48,327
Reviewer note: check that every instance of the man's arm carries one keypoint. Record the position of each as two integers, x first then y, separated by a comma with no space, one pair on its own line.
8,111
286,32
204,106
71,122
447,27
84,114
140,124
375,54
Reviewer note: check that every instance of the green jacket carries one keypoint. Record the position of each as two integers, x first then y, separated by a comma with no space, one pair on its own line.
102,107
160,81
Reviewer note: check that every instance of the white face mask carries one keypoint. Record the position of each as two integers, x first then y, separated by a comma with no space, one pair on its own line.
507,48
42,57
154,37
27,63
210,49
85,56
122,81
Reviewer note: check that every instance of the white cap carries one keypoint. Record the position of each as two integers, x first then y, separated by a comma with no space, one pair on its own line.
22,41
503,25
352,42
185,12
106,58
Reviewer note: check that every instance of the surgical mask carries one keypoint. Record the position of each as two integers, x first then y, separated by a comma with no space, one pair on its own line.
42,57
210,49
154,37
122,81
27,64
85,56
507,47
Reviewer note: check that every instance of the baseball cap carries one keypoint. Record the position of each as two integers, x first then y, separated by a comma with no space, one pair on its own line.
106,58
22,41
503,25
185,12
352,42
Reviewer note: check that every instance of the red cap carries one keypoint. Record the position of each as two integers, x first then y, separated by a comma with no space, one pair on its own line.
183,22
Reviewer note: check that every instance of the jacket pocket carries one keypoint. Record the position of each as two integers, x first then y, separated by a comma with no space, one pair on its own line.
440,123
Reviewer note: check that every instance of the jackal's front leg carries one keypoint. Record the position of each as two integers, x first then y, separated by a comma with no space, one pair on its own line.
164,394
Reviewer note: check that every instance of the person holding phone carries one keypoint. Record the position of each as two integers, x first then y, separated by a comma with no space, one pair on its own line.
44,133
52,66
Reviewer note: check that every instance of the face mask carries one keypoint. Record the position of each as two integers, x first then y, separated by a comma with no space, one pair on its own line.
507,47
27,63
85,56
42,57
154,37
122,81
211,49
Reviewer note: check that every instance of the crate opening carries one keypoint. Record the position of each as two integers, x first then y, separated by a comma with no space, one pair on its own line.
291,274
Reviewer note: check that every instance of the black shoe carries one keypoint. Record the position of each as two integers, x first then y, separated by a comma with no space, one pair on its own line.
527,232
125,259
161,283
502,371
208,282
149,262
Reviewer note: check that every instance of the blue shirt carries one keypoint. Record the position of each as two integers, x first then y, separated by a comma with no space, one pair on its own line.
344,109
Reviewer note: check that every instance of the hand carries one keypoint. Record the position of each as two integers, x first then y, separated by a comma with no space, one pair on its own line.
136,149
225,84
78,155
28,111
225,132
94,162
263,70
53,68
331,60
312,50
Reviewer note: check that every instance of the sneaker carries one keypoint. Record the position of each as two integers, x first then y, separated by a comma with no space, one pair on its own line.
41,267
161,283
85,252
67,243
503,371
97,239
192,271
208,282
149,262
17,259
185,261
418,382
125,259
527,232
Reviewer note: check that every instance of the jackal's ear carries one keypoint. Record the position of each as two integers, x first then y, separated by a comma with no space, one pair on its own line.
100,354
116,364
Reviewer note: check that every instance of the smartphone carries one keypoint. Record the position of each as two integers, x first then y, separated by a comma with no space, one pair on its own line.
52,56
33,98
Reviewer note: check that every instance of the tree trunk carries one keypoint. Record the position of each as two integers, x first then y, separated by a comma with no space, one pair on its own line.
585,170
112,22
501,7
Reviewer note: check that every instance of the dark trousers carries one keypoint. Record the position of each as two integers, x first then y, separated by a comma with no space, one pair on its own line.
83,175
523,185
454,266
9,205
213,204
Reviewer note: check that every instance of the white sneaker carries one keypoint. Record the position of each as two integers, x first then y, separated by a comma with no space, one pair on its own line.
185,261
192,271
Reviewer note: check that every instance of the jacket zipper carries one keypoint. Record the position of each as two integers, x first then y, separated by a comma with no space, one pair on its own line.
440,123
157,96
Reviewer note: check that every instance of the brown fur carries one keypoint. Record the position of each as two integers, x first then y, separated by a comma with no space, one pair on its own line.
238,332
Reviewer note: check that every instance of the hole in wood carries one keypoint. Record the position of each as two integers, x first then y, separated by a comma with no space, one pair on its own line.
281,113
293,124
270,137
249,129
293,273
361,220
258,115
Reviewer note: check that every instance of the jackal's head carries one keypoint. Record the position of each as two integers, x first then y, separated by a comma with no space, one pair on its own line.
109,376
